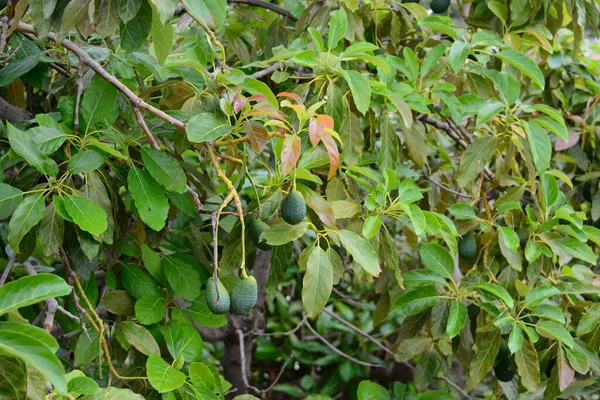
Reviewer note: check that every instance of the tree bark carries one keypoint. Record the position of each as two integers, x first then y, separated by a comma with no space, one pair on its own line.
13,114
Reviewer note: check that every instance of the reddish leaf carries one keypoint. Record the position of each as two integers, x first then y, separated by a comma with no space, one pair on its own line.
238,103
317,127
565,372
561,145
290,154
258,97
258,135
292,96
333,152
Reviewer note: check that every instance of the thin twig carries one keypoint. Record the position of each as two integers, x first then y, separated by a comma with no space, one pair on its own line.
360,331
338,351
7,269
281,371
441,186
78,97
350,301
287,333
454,385
243,361
266,5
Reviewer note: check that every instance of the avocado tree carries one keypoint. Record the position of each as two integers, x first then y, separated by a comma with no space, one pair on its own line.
341,199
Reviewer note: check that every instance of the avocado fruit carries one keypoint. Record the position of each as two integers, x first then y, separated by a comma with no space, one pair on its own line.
243,296
503,352
217,297
467,246
503,372
439,6
411,1
293,208
255,229
66,107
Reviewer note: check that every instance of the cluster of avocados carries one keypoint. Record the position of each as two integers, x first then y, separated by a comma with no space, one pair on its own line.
437,6
242,298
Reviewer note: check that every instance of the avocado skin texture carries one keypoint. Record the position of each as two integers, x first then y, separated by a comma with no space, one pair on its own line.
66,107
467,246
255,229
243,296
293,208
502,371
504,352
211,297
439,6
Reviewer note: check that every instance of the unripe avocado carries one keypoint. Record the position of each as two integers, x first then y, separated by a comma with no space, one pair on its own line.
255,229
293,208
467,246
439,6
220,304
502,371
504,352
243,296
66,107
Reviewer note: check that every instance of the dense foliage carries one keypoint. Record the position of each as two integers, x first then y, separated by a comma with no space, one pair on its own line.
299,199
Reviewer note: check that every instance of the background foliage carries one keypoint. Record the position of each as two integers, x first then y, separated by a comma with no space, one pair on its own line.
448,163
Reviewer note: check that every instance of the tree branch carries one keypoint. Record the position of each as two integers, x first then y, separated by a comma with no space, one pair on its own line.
267,6
7,269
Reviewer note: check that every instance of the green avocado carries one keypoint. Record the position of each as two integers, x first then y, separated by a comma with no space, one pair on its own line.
504,352
502,371
439,6
411,1
66,107
293,208
467,246
243,296
217,304
255,229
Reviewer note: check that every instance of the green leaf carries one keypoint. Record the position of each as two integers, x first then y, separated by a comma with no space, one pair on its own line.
432,58
135,32
87,349
204,127
368,390
578,360
51,231
152,262
150,198
361,251
524,64
201,376
36,347
211,12
462,211
182,277
458,54
487,346
575,248
138,337
22,144
551,329
528,366
150,309
371,226
10,198
82,385
437,259
164,9
539,294
164,169
200,313
541,147
13,378
488,111
550,312
183,341
162,376
86,161
317,283
360,89
515,339
337,27
137,283
98,101
283,233
457,318
31,290
353,139
475,158
119,302
497,291
113,392
162,34
49,139
88,215
589,321
420,277
510,237
26,216
414,301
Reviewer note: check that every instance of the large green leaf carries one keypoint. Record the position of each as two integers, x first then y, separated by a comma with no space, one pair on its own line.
362,252
317,283
139,337
24,146
360,89
539,294
589,321
283,233
487,346
528,366
51,231
137,283
162,34
86,161
457,318
182,277
551,329
497,291
162,376
475,158
165,9
150,309
31,290
164,169
437,259
337,27
36,347
576,249
135,32
98,101
205,127
211,12
416,300
88,215
10,197
26,216
149,197
541,147
524,64
183,341
13,378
